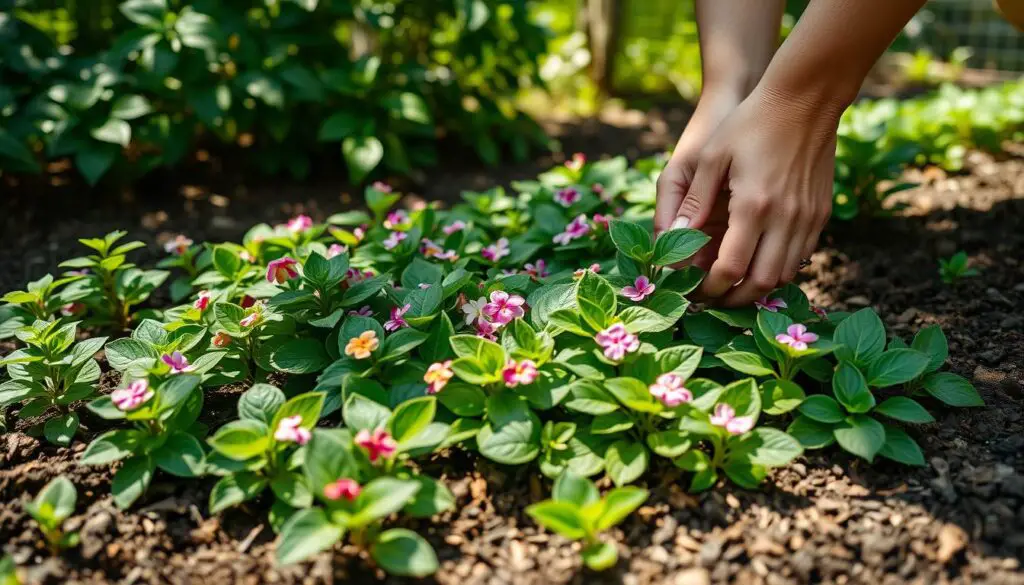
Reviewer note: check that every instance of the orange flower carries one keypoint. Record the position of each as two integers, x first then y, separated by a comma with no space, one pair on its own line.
361,347
437,376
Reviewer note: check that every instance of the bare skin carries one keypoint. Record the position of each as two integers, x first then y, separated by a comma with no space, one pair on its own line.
754,169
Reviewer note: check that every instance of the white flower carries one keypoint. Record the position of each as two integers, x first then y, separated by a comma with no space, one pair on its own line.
474,310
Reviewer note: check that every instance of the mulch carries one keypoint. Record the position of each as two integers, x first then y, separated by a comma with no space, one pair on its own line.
826,518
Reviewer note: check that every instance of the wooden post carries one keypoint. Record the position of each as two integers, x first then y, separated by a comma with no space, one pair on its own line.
603,19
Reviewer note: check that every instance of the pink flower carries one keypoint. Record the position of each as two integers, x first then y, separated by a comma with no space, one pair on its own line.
177,362
430,248
576,164
381,186
378,444
602,220
299,223
178,245
496,251
336,250
392,241
437,376
455,226
364,311
289,430
576,229
797,337
72,309
474,310
566,197
822,313
251,319
282,269
133,396
668,388
342,488
221,339
524,372
396,219
538,270
487,330
359,233
770,305
641,289
203,301
597,188
354,276
450,255
397,320
617,342
247,302
725,417
504,307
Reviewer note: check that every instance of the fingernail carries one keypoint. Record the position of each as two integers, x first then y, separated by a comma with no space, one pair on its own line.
680,223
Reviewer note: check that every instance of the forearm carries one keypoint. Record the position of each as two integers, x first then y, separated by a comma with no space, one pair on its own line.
737,41
831,50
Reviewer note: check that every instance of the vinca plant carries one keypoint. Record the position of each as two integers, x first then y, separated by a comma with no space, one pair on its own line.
50,509
545,328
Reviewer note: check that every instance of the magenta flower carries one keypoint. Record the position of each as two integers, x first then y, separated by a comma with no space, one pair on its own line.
392,241
641,289
566,197
602,220
336,250
455,226
178,245
397,320
364,311
381,186
342,488
289,430
396,219
247,301
354,275
377,444
617,342
504,307
538,270
576,163
821,313
177,362
203,301
72,309
597,188
576,229
299,223
797,337
133,396
496,251
281,270
524,372
668,388
725,417
770,305
487,330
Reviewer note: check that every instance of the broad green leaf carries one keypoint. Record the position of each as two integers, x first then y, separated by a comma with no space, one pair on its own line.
767,447
600,556
402,552
896,366
625,461
632,239
362,155
861,337
241,439
851,389
634,394
822,409
931,341
380,498
306,533
743,362
952,389
463,399
900,447
811,433
300,356
411,418
131,481
260,403
432,498
861,435
676,245
560,517
904,409
780,396
59,430
182,455
574,489
596,300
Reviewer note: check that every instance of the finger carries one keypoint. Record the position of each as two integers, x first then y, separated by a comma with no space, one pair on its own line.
734,255
696,206
672,186
793,257
765,269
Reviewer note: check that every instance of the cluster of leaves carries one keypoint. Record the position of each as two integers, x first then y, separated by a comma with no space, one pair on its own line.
955,268
374,82
532,329
878,139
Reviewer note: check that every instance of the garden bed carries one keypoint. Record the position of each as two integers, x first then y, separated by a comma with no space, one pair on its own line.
826,518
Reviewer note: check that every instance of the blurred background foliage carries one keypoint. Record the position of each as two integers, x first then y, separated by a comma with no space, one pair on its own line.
120,88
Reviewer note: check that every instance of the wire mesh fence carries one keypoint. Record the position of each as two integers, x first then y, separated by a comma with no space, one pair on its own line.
944,26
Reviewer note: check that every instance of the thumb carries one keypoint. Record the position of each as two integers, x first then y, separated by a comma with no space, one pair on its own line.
672,185
699,200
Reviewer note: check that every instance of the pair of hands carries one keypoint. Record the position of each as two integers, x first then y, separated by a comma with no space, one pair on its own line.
756,175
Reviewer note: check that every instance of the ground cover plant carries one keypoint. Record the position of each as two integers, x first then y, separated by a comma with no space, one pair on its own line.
532,329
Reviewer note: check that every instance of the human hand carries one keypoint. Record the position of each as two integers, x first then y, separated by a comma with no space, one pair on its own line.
774,156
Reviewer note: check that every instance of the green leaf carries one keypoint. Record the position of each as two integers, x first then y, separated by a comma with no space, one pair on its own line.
780,396
670,444
131,481
625,461
596,300
362,155
952,389
512,435
234,489
340,125
182,455
632,240
861,435
401,343
681,360
904,409
574,489
896,366
306,533
560,517
436,347
861,337
409,106
660,312
361,413
811,433
463,399
328,457
113,131
590,398
634,394
851,389
307,406
411,418
300,356
291,488
822,408
260,403
931,341
241,439
767,447
148,13
600,556
619,503
900,447
748,363
431,499
380,498
676,245
607,424
473,371
59,430
744,396
56,501
489,354
402,552
130,107
111,446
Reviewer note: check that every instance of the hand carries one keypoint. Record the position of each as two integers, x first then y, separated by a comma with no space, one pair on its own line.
775,157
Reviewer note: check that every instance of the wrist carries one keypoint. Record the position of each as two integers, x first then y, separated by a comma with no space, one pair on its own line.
817,98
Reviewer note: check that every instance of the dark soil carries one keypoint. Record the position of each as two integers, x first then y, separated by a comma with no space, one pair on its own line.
827,518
